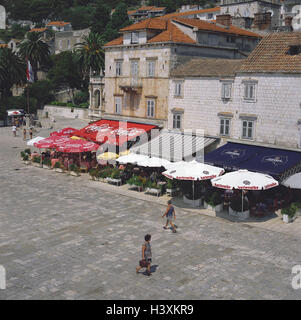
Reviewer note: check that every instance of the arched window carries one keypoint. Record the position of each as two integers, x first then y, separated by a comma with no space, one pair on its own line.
97,98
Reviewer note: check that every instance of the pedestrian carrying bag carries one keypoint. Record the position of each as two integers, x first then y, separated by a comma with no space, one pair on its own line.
143,263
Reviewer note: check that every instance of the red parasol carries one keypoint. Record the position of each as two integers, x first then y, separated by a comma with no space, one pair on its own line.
113,132
77,146
68,132
50,142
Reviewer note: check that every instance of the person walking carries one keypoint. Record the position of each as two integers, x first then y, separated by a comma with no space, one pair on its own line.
30,133
146,256
14,130
170,214
24,134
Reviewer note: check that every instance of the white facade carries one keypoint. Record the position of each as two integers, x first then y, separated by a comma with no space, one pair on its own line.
2,18
273,117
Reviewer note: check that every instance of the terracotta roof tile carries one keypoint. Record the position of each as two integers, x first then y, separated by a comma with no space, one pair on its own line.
115,42
172,34
152,23
212,26
57,23
189,13
208,67
38,29
272,54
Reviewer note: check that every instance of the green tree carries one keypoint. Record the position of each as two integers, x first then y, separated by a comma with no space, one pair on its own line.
12,71
65,73
120,16
20,102
90,53
42,91
80,17
100,18
37,51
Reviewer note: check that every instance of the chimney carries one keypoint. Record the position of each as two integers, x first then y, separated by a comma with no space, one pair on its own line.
288,21
224,19
262,20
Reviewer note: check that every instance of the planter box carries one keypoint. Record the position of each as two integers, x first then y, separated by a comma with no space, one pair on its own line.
27,162
218,208
154,191
287,219
58,170
36,164
238,214
75,174
195,203
133,186
172,191
117,181
46,167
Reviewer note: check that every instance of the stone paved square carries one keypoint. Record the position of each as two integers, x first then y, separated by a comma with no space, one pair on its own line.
64,237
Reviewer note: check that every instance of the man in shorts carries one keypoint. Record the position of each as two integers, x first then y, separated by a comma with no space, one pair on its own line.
170,216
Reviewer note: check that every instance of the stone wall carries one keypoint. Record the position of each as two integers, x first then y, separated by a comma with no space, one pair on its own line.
277,107
66,112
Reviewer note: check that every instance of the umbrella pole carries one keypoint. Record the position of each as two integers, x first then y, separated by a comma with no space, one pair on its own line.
193,189
242,201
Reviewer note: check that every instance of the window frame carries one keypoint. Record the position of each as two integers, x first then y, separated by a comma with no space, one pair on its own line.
176,120
246,137
150,62
137,69
246,93
224,125
132,37
178,85
118,63
118,107
223,90
150,108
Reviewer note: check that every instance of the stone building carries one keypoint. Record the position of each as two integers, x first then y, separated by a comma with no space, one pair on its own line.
59,26
291,13
138,64
256,100
66,40
2,18
146,12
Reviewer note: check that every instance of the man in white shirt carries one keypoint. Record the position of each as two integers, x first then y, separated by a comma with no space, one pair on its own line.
14,130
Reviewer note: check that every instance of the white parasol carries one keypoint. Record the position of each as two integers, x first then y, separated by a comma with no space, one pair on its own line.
244,180
32,141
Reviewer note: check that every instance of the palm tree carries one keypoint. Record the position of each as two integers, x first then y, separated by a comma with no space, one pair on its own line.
36,50
90,53
12,71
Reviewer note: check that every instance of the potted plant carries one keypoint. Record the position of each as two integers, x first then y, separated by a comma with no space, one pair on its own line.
235,208
215,202
115,176
58,167
152,187
105,173
171,187
47,163
36,162
28,151
288,213
25,157
74,170
136,182
207,198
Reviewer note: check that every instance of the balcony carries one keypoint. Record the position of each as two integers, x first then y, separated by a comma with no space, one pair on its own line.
133,84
